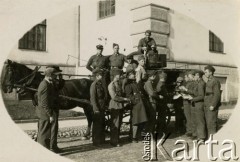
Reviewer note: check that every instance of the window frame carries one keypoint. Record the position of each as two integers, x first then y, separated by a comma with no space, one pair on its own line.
33,44
216,45
106,13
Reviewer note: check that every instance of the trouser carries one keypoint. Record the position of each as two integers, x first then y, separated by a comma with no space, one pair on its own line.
152,121
161,120
88,111
211,120
187,113
112,72
200,120
98,130
54,130
44,132
116,121
47,132
137,129
179,119
193,121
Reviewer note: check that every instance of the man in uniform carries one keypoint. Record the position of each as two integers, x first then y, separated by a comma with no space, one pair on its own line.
145,44
187,106
116,60
153,98
141,74
47,112
116,107
163,103
212,100
98,101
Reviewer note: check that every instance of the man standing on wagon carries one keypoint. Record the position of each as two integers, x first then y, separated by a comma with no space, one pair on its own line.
98,100
116,60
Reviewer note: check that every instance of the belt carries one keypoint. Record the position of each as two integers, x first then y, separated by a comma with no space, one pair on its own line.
208,94
115,67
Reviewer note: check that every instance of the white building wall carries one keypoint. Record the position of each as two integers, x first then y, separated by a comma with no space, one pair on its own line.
61,41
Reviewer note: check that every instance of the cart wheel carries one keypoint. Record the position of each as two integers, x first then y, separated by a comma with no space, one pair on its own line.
107,122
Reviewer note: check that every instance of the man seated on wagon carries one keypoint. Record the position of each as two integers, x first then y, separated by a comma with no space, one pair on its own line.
138,104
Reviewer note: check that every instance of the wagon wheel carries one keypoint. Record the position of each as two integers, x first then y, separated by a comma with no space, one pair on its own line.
107,121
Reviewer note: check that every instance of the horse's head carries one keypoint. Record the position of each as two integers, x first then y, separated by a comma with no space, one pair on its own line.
8,76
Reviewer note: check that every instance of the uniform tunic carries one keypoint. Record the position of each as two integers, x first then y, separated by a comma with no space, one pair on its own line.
97,61
136,96
117,60
198,96
212,98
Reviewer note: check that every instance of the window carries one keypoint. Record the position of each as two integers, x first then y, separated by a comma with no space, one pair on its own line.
35,39
106,8
215,44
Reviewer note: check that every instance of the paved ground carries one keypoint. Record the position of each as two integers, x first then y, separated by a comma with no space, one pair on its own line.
82,150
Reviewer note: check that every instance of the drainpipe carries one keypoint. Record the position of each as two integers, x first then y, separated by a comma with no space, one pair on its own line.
78,41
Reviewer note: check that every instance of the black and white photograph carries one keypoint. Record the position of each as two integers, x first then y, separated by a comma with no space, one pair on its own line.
119,80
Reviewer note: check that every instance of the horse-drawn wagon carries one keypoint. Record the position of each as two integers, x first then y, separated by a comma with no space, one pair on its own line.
74,92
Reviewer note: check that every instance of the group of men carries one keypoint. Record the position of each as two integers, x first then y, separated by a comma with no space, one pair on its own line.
144,94
200,101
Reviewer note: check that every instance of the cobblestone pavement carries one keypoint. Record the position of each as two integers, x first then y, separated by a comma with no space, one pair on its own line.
83,150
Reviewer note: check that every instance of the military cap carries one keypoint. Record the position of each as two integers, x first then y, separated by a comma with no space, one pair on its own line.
163,75
148,31
115,44
200,72
99,46
151,73
56,68
141,57
191,72
210,68
117,72
49,71
129,56
180,79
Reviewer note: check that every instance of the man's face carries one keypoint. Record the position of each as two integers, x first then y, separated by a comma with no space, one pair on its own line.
190,76
53,77
117,77
116,49
207,73
186,78
129,60
147,36
99,51
141,62
153,77
99,77
196,77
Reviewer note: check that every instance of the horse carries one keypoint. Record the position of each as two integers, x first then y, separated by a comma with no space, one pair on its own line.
18,74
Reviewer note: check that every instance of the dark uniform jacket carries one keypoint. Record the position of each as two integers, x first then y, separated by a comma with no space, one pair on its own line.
97,96
136,94
212,93
146,43
198,93
97,61
190,86
46,99
117,60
